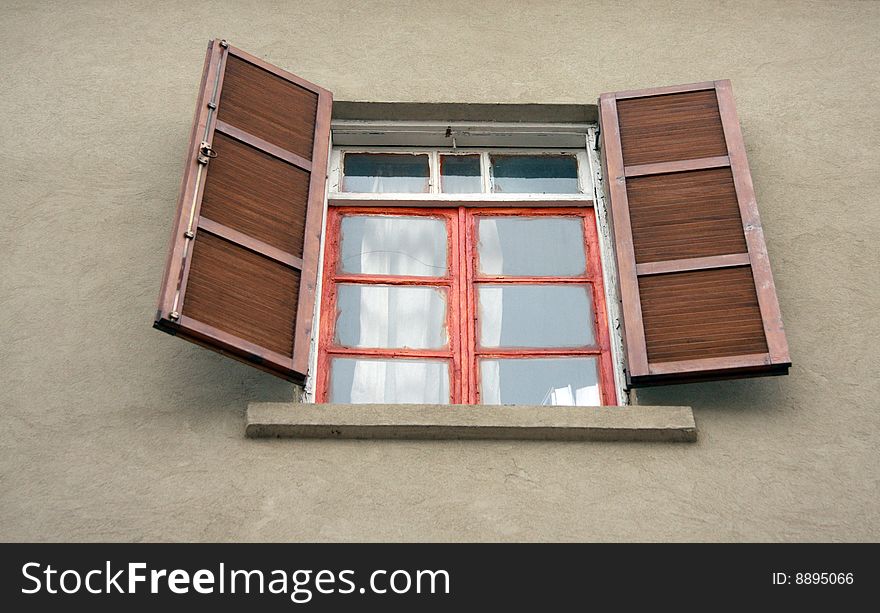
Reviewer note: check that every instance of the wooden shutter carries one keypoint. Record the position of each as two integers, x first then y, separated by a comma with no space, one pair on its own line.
698,296
242,265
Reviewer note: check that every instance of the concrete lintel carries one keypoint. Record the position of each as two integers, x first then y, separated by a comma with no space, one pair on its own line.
406,421
446,111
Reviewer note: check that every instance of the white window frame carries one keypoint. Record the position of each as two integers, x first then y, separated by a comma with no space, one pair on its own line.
484,138
337,155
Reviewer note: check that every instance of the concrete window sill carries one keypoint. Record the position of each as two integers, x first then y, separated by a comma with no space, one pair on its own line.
407,421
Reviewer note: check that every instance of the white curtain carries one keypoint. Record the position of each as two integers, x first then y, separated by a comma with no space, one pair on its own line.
397,185
399,316
402,381
567,397
491,261
491,256
490,382
399,246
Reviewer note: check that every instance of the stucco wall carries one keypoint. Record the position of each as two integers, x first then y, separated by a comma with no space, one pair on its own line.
111,430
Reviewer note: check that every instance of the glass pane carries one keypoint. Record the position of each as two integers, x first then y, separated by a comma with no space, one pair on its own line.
385,172
535,315
540,381
531,246
460,174
387,245
389,381
390,316
534,174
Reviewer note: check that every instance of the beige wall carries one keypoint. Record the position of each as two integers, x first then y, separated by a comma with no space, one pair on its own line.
112,430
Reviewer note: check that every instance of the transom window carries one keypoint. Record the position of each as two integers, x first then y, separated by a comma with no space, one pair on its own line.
463,305
453,173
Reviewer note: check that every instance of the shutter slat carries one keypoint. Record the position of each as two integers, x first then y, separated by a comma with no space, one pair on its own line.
681,265
262,145
243,261
249,242
697,293
662,168
713,369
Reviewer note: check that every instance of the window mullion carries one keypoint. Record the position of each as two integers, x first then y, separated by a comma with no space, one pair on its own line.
459,287
469,339
434,172
484,172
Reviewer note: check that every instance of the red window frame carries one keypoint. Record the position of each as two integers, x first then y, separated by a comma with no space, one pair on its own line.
460,282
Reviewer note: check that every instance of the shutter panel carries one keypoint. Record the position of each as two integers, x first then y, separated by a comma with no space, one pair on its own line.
698,297
243,261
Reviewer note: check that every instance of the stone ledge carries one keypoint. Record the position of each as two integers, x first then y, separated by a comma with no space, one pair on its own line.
407,421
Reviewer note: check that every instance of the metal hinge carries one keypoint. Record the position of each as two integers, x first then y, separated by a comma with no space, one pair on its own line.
206,154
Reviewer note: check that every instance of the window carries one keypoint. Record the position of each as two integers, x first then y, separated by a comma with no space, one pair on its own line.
464,305
488,291
476,289
492,174
386,172
461,172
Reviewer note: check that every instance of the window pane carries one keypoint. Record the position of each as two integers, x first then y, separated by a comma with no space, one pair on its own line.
531,246
389,381
540,381
385,172
537,174
535,315
390,316
460,174
390,245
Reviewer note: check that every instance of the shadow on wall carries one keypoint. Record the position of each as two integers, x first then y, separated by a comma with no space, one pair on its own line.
172,371
759,394
201,378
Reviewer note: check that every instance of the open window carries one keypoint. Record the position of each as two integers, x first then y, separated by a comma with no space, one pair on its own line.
464,305
487,262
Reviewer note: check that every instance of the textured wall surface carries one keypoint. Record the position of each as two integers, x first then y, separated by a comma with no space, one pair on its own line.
112,430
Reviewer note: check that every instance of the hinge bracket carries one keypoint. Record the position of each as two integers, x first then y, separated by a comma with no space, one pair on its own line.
206,153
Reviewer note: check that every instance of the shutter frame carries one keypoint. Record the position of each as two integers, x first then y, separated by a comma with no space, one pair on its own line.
642,370
171,315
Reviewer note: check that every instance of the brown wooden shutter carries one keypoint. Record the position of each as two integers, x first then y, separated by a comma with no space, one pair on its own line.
243,260
698,297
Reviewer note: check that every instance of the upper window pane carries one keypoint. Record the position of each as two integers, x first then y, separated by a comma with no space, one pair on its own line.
385,172
534,174
393,245
531,246
460,174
